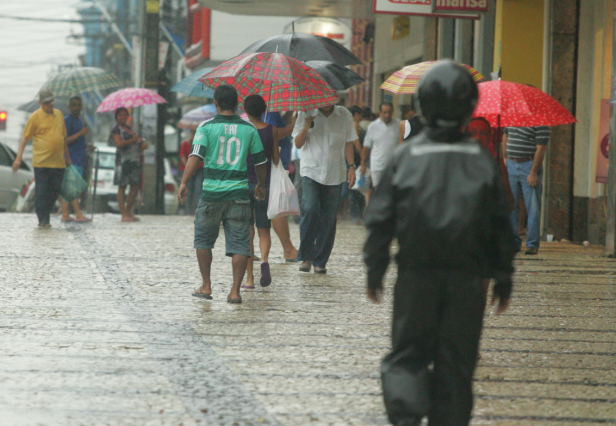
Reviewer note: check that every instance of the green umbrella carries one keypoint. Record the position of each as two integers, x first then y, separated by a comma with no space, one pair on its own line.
81,79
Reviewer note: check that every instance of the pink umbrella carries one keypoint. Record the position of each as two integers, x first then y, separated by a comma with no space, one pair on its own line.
128,98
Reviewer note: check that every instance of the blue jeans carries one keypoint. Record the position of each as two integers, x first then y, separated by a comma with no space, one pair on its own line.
318,225
518,172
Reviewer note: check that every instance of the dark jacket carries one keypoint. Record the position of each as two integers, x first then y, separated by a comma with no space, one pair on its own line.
444,203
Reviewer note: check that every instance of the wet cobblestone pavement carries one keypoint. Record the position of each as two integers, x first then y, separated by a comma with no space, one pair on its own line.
98,327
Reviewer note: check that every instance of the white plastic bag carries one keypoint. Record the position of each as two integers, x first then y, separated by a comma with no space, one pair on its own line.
362,181
283,199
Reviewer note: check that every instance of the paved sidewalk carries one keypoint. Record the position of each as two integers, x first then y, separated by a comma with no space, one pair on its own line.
98,327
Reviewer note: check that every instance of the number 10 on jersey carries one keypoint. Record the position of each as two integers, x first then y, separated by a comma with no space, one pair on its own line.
227,147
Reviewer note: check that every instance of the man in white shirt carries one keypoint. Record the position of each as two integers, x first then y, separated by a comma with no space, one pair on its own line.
325,138
381,139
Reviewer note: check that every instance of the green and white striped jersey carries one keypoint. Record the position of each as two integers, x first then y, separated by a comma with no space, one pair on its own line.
224,143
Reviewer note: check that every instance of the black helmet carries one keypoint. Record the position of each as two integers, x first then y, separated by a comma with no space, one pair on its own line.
447,95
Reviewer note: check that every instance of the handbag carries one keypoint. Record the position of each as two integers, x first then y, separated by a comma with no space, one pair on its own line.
283,199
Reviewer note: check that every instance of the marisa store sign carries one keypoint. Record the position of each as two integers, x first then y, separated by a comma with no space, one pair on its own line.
448,8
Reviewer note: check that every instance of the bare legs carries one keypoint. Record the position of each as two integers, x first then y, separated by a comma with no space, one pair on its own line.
250,278
281,227
265,242
66,210
125,204
204,257
239,263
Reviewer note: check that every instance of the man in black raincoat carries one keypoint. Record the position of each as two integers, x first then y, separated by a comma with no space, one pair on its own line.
441,198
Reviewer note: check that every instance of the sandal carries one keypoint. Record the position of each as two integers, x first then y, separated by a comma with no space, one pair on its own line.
229,300
246,287
266,276
197,293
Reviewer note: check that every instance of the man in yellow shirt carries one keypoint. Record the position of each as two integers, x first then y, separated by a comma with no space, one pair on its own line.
49,154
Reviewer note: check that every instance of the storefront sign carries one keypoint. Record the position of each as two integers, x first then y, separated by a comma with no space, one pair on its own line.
461,5
604,142
336,29
428,8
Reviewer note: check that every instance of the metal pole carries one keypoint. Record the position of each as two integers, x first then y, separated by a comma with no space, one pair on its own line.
96,165
610,243
152,80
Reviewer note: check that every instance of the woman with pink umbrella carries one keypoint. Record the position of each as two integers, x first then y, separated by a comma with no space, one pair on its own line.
128,163
130,146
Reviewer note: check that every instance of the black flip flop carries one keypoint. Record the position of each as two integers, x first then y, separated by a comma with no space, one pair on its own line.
235,301
197,293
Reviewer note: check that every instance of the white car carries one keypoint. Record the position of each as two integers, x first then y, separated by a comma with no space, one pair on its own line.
12,184
106,190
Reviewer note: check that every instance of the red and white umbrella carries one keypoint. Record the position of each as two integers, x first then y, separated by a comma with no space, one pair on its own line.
285,83
129,98
507,104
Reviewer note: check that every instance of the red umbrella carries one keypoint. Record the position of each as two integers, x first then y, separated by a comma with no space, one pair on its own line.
506,104
285,83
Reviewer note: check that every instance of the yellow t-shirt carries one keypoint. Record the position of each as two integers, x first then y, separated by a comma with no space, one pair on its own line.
47,132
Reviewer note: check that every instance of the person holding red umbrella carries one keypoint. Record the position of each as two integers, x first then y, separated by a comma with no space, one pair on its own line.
525,112
524,149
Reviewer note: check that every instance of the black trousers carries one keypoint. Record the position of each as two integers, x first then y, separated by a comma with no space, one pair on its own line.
48,182
437,323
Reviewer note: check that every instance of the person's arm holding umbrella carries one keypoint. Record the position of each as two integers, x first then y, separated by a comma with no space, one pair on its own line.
504,145
121,143
67,155
71,139
302,136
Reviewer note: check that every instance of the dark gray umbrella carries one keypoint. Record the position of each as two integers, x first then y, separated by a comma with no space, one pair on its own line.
305,47
60,102
338,77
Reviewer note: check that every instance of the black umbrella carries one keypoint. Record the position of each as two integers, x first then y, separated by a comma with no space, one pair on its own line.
305,47
60,103
338,77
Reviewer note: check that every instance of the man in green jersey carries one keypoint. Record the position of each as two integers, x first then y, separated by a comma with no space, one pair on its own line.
224,143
